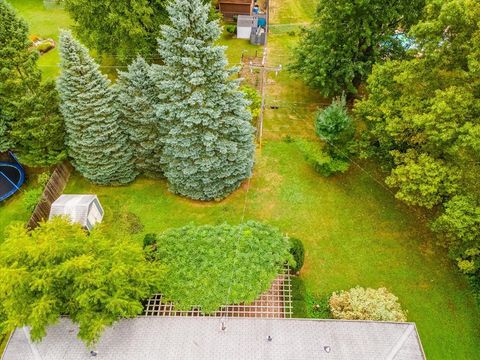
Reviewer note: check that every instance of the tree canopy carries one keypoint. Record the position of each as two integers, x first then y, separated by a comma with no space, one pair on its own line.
58,269
423,120
30,120
337,51
209,266
124,28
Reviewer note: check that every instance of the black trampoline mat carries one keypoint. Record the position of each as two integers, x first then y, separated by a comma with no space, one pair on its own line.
13,175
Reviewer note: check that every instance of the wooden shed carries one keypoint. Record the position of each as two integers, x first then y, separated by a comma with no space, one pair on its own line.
230,8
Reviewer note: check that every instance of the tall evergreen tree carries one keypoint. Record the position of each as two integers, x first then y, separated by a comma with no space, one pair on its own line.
96,143
137,96
209,148
30,120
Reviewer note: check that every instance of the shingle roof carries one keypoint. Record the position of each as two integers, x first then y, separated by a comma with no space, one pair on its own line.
149,338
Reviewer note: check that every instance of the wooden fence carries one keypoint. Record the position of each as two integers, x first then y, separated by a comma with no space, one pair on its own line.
54,188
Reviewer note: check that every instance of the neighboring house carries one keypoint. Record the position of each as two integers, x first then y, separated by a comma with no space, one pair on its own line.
83,209
231,8
152,338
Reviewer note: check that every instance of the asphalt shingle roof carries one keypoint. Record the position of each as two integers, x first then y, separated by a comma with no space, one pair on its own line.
150,338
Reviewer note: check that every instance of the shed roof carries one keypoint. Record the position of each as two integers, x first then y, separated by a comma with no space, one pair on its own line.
149,338
74,206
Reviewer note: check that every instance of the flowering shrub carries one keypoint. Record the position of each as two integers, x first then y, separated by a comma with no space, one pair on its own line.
366,304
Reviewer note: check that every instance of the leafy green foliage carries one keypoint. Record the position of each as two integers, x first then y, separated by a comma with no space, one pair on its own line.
122,28
209,146
366,304
58,269
209,266
30,121
422,179
337,51
322,162
298,252
125,28
334,126
33,195
231,28
423,122
252,95
96,143
460,222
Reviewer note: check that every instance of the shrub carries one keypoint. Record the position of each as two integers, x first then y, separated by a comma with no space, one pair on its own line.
149,240
231,29
321,161
334,123
255,99
298,252
33,196
366,304
45,46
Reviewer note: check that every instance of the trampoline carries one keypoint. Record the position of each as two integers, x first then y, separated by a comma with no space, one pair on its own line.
12,177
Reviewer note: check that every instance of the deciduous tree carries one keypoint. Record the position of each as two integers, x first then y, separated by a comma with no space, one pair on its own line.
58,269
337,51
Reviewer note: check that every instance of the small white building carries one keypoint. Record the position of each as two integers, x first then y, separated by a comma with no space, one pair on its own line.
252,28
245,23
83,209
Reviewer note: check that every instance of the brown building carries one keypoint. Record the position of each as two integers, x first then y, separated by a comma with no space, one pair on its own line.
230,8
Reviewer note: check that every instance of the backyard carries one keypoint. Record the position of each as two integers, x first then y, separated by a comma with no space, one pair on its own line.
354,231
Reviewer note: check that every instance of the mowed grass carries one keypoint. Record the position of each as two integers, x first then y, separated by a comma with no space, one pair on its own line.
292,11
354,231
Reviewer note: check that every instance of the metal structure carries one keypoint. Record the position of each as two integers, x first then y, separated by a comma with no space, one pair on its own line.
274,303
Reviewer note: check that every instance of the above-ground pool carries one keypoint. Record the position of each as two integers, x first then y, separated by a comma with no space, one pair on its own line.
12,177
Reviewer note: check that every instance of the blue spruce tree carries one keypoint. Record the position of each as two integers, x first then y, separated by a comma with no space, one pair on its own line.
95,140
137,96
209,148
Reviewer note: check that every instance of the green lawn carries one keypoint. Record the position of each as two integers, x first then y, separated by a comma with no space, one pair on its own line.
13,210
354,231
